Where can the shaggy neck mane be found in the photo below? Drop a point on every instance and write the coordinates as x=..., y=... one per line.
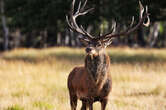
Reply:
x=97, y=66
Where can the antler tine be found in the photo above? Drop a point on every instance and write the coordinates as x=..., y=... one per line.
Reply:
x=84, y=5
x=113, y=29
x=108, y=42
x=131, y=29
x=132, y=22
x=72, y=22
x=79, y=6
x=148, y=22
x=141, y=8
x=87, y=34
x=87, y=11
x=72, y=7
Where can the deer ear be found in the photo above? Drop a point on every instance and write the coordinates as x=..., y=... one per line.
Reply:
x=105, y=45
x=84, y=42
x=108, y=42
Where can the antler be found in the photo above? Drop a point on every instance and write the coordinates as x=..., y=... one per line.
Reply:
x=143, y=16
x=107, y=38
x=72, y=22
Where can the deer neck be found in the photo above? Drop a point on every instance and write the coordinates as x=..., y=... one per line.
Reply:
x=97, y=66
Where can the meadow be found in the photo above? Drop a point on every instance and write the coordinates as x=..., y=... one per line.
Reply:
x=36, y=79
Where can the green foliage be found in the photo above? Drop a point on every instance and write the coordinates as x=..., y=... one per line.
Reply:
x=43, y=105
x=35, y=16
x=161, y=28
x=15, y=107
x=157, y=9
x=41, y=14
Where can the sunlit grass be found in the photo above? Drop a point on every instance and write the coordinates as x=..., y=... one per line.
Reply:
x=32, y=79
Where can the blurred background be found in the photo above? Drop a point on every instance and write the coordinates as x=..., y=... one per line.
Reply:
x=36, y=58
x=42, y=23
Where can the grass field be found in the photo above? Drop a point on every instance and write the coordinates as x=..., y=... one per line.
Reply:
x=37, y=79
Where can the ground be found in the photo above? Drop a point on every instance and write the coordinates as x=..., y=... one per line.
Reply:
x=36, y=79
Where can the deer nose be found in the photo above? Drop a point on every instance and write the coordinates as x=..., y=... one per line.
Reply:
x=88, y=49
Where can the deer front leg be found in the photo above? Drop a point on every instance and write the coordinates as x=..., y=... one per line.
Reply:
x=90, y=104
x=103, y=104
x=84, y=105
x=73, y=101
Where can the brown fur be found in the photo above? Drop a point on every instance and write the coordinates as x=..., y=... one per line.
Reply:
x=91, y=82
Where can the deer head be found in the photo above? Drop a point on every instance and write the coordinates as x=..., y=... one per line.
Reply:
x=96, y=44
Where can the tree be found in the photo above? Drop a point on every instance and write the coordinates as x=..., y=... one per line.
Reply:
x=4, y=25
x=42, y=22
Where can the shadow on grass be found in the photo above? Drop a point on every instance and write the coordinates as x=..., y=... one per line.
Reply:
x=75, y=58
x=22, y=58
x=156, y=91
x=71, y=57
x=79, y=58
x=138, y=58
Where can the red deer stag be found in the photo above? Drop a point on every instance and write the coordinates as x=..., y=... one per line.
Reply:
x=92, y=82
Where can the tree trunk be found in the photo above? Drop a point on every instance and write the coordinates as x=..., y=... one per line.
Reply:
x=44, y=35
x=17, y=38
x=71, y=35
x=140, y=37
x=4, y=26
x=154, y=31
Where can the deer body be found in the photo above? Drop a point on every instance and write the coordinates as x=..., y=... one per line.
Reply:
x=92, y=82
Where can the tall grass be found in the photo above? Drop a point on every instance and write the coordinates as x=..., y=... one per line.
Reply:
x=33, y=79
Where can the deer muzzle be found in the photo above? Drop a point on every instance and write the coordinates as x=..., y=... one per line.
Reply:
x=90, y=51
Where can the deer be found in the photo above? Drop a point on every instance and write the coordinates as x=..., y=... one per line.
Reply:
x=92, y=82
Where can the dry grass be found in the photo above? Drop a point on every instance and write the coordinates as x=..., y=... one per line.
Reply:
x=36, y=79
